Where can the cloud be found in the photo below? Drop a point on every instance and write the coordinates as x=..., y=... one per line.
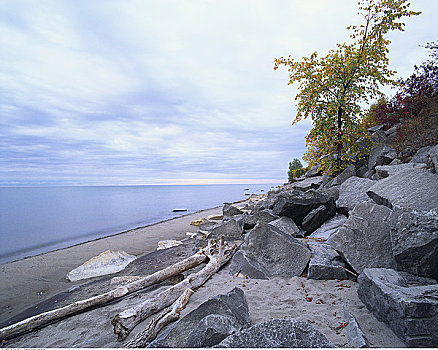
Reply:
x=161, y=91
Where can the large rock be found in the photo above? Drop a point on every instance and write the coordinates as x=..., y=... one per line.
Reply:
x=208, y=324
x=434, y=157
x=346, y=173
x=230, y=210
x=105, y=263
x=381, y=155
x=353, y=191
x=383, y=171
x=278, y=333
x=287, y=225
x=265, y=215
x=407, y=303
x=422, y=155
x=329, y=227
x=232, y=230
x=317, y=217
x=307, y=184
x=364, y=240
x=268, y=252
x=313, y=171
x=414, y=236
x=297, y=204
x=410, y=188
x=355, y=336
x=325, y=262
x=379, y=137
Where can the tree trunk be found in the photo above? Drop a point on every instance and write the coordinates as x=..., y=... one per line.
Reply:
x=218, y=254
x=83, y=305
x=339, y=140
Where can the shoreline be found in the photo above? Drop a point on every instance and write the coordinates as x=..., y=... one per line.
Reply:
x=30, y=280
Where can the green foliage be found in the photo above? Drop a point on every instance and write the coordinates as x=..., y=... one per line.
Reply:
x=295, y=169
x=333, y=88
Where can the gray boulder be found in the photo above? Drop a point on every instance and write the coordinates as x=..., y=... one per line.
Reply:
x=209, y=324
x=317, y=217
x=364, y=240
x=375, y=128
x=325, y=262
x=265, y=215
x=287, y=225
x=230, y=210
x=278, y=333
x=268, y=252
x=313, y=171
x=362, y=171
x=232, y=230
x=297, y=204
x=422, y=155
x=346, y=173
x=434, y=157
x=381, y=155
x=411, y=188
x=379, y=137
x=414, y=236
x=329, y=227
x=355, y=336
x=309, y=183
x=407, y=303
x=383, y=171
x=353, y=191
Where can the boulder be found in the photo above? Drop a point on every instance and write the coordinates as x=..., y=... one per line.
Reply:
x=407, y=303
x=265, y=215
x=309, y=183
x=414, y=237
x=346, y=173
x=232, y=230
x=317, y=217
x=297, y=204
x=208, y=324
x=362, y=171
x=383, y=171
x=268, y=252
x=333, y=192
x=105, y=263
x=313, y=171
x=329, y=227
x=278, y=333
x=355, y=336
x=287, y=225
x=410, y=188
x=434, y=157
x=209, y=225
x=422, y=155
x=391, y=131
x=325, y=263
x=353, y=191
x=379, y=137
x=230, y=210
x=168, y=243
x=381, y=155
x=364, y=240
x=375, y=128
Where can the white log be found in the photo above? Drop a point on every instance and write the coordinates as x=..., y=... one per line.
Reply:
x=170, y=314
x=82, y=305
x=218, y=254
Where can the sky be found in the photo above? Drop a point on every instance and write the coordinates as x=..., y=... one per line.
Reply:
x=127, y=92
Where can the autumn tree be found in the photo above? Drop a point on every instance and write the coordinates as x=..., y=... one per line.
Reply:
x=295, y=169
x=333, y=88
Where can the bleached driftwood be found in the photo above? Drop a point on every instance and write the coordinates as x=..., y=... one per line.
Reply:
x=218, y=254
x=82, y=305
x=170, y=314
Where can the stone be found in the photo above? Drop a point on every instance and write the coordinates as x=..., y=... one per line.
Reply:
x=169, y=243
x=422, y=155
x=379, y=137
x=215, y=217
x=364, y=240
x=346, y=173
x=325, y=262
x=277, y=333
x=265, y=215
x=352, y=192
x=391, y=131
x=208, y=226
x=328, y=228
x=414, y=237
x=333, y=192
x=208, y=324
x=376, y=128
x=355, y=336
x=317, y=217
x=313, y=171
x=105, y=263
x=410, y=188
x=268, y=252
x=232, y=230
x=362, y=171
x=383, y=171
x=434, y=157
x=198, y=222
x=297, y=204
x=381, y=155
x=287, y=225
x=407, y=303
x=309, y=183
x=230, y=210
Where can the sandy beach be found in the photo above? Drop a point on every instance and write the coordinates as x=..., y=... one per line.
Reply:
x=38, y=284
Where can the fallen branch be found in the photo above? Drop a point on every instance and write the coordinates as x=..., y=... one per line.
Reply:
x=218, y=254
x=170, y=314
x=350, y=272
x=82, y=305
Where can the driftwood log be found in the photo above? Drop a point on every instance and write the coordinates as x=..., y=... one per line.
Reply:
x=170, y=314
x=218, y=254
x=45, y=318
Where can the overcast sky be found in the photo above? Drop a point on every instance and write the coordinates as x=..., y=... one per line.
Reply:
x=156, y=92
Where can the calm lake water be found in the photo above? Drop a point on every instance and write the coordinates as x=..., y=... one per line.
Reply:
x=36, y=220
